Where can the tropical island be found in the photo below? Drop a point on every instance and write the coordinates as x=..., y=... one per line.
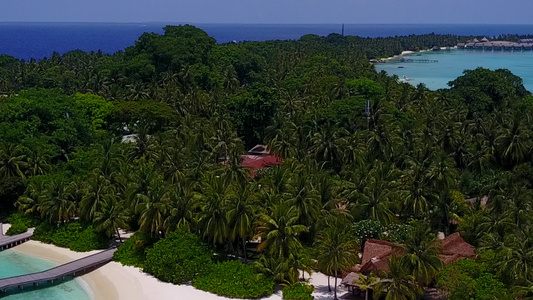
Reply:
x=256, y=169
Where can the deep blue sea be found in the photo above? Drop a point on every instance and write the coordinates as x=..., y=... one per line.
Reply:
x=451, y=64
x=38, y=40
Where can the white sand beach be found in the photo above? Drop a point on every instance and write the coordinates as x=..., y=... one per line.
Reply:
x=405, y=53
x=5, y=227
x=114, y=281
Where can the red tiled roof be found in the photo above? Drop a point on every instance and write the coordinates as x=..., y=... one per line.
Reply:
x=454, y=245
x=376, y=249
x=259, y=162
x=377, y=252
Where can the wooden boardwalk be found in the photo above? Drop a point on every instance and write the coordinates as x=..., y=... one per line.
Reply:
x=7, y=241
x=409, y=60
x=79, y=266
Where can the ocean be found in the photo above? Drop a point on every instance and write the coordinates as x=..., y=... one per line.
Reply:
x=13, y=263
x=39, y=40
x=451, y=64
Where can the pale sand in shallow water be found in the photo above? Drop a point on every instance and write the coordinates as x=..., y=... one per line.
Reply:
x=114, y=281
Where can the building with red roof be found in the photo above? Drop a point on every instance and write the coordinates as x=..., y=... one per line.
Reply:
x=259, y=157
x=259, y=162
x=377, y=252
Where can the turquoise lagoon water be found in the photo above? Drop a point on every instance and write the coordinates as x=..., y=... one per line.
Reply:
x=451, y=64
x=13, y=263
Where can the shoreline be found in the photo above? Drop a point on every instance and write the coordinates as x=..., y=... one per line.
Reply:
x=95, y=283
x=115, y=281
x=404, y=53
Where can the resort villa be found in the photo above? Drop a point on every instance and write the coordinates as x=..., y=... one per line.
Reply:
x=376, y=254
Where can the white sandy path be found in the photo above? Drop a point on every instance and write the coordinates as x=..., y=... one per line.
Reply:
x=114, y=281
x=5, y=227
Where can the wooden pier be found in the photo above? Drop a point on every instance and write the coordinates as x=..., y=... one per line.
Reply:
x=7, y=241
x=74, y=268
x=410, y=60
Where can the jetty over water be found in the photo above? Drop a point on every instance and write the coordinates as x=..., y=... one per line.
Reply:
x=79, y=267
x=7, y=242
x=410, y=60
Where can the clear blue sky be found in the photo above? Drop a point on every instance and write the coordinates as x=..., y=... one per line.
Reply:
x=270, y=11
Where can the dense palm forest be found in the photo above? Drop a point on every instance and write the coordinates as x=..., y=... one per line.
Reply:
x=420, y=162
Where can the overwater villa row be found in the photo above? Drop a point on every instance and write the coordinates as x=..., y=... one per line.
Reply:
x=486, y=44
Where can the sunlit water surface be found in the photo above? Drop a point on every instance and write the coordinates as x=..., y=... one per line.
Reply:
x=451, y=64
x=13, y=263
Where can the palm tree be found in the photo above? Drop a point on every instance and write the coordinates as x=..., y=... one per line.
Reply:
x=12, y=162
x=213, y=218
x=58, y=204
x=420, y=257
x=281, y=137
x=305, y=199
x=153, y=207
x=397, y=283
x=181, y=209
x=110, y=158
x=98, y=189
x=279, y=268
x=241, y=213
x=111, y=217
x=376, y=193
x=513, y=140
x=326, y=145
x=524, y=290
x=303, y=262
x=517, y=257
x=366, y=282
x=235, y=172
x=336, y=250
x=279, y=231
x=30, y=202
x=419, y=191
x=278, y=179
x=38, y=164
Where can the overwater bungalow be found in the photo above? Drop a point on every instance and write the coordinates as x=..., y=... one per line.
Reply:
x=485, y=44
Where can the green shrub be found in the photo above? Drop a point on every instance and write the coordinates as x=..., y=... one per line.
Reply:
x=396, y=233
x=455, y=283
x=299, y=291
x=235, y=280
x=17, y=228
x=367, y=229
x=132, y=251
x=20, y=223
x=73, y=235
x=178, y=258
x=487, y=287
x=467, y=279
x=470, y=267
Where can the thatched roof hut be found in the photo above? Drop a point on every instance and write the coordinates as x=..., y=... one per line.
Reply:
x=376, y=253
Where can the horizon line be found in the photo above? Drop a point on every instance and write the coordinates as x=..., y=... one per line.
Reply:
x=258, y=23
